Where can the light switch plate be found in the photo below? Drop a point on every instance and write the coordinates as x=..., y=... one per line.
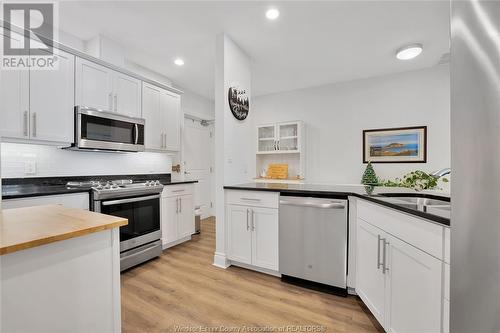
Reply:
x=30, y=168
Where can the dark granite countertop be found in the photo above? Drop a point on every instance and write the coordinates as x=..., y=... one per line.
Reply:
x=385, y=196
x=34, y=187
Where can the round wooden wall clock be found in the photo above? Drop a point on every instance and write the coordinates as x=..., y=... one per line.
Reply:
x=238, y=102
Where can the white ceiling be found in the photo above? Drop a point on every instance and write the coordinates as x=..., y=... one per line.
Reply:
x=310, y=44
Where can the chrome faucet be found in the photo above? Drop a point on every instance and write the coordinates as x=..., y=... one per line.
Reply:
x=441, y=173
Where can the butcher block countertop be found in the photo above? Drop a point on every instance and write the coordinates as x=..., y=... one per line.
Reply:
x=24, y=228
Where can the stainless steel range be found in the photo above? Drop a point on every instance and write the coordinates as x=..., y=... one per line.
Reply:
x=140, y=240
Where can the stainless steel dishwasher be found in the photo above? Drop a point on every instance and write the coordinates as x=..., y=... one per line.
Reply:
x=313, y=243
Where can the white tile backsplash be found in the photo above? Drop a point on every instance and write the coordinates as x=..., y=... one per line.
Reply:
x=25, y=160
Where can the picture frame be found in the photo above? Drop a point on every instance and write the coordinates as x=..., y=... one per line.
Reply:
x=395, y=145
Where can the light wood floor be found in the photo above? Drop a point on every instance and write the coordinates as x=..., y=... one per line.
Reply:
x=182, y=288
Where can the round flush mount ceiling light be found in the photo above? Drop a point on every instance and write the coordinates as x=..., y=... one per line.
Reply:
x=179, y=62
x=272, y=14
x=409, y=51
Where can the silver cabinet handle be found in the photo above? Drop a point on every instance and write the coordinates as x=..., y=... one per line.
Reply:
x=177, y=191
x=248, y=226
x=384, y=262
x=34, y=124
x=250, y=199
x=116, y=102
x=278, y=145
x=177, y=206
x=25, y=123
x=180, y=205
x=252, y=214
x=333, y=205
x=378, y=252
x=110, y=101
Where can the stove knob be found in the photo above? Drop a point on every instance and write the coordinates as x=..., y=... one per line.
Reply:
x=157, y=183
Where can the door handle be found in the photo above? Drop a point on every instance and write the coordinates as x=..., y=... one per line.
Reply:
x=252, y=214
x=25, y=123
x=116, y=102
x=110, y=101
x=378, y=252
x=384, y=261
x=180, y=205
x=177, y=206
x=34, y=124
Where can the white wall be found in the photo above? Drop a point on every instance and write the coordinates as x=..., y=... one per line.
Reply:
x=198, y=106
x=52, y=161
x=232, y=144
x=336, y=114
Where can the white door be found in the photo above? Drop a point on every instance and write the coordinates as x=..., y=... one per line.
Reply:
x=14, y=99
x=52, y=101
x=414, y=298
x=127, y=95
x=169, y=216
x=265, y=238
x=172, y=113
x=186, y=216
x=94, y=85
x=198, y=159
x=370, y=280
x=151, y=111
x=239, y=234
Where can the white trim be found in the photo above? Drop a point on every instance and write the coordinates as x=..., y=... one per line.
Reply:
x=177, y=242
x=221, y=261
x=257, y=269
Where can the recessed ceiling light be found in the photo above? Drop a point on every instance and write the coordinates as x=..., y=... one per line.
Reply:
x=272, y=14
x=409, y=51
x=179, y=62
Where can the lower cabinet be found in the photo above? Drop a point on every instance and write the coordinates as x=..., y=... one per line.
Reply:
x=177, y=215
x=73, y=200
x=253, y=236
x=401, y=284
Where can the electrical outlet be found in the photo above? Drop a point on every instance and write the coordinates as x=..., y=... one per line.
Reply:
x=30, y=168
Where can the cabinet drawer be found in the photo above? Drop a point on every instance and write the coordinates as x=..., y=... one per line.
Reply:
x=253, y=198
x=176, y=190
x=420, y=233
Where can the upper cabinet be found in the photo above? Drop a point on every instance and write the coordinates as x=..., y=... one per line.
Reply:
x=162, y=112
x=37, y=105
x=103, y=88
x=280, y=138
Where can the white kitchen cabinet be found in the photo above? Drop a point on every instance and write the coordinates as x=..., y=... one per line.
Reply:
x=73, y=200
x=264, y=238
x=239, y=234
x=162, y=112
x=52, y=101
x=413, y=291
x=370, y=283
x=280, y=138
x=94, y=85
x=173, y=117
x=397, y=277
x=103, y=88
x=253, y=234
x=177, y=214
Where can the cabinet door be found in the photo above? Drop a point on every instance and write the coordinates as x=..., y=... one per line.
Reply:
x=288, y=137
x=413, y=297
x=239, y=234
x=151, y=111
x=169, y=231
x=266, y=138
x=94, y=85
x=14, y=99
x=52, y=101
x=265, y=238
x=127, y=95
x=370, y=280
x=186, y=216
x=171, y=111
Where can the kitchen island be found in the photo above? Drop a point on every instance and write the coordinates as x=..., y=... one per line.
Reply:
x=59, y=270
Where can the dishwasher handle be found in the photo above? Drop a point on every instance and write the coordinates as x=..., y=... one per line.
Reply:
x=312, y=204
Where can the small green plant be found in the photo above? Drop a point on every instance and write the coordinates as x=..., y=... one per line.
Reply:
x=369, y=176
x=418, y=180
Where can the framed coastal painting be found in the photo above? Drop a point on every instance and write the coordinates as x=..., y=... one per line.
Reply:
x=395, y=145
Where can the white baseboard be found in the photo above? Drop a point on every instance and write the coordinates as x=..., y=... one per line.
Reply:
x=177, y=242
x=255, y=268
x=221, y=261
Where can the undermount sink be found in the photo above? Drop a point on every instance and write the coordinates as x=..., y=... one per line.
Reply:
x=421, y=202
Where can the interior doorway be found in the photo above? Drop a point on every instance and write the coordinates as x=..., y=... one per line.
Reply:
x=198, y=161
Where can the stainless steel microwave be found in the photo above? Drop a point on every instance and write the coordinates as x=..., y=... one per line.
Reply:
x=102, y=130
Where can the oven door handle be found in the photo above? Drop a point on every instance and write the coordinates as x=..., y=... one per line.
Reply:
x=122, y=201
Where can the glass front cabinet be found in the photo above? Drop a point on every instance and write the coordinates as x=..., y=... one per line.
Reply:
x=280, y=138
